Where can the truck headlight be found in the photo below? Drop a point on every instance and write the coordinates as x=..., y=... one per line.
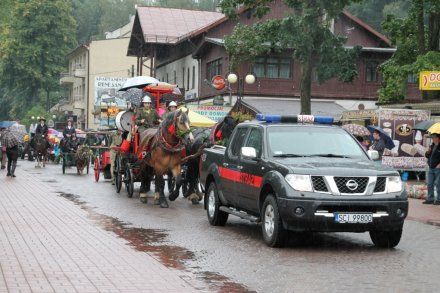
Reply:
x=394, y=184
x=299, y=182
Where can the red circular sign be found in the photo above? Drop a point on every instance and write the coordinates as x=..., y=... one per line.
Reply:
x=218, y=82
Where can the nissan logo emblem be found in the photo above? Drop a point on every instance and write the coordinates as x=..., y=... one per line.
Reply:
x=352, y=185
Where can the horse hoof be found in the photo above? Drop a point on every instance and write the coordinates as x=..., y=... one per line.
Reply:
x=195, y=201
x=156, y=202
x=164, y=204
x=143, y=198
x=173, y=195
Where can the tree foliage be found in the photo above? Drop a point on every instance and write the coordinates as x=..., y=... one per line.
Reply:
x=35, y=41
x=417, y=39
x=305, y=31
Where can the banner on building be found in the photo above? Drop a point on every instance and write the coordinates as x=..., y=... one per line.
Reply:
x=216, y=113
x=108, y=101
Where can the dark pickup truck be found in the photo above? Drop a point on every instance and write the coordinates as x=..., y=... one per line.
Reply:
x=302, y=177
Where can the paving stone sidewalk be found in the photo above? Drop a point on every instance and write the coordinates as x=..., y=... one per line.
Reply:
x=47, y=244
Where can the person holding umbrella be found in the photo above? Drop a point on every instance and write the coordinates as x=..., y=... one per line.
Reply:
x=433, y=155
x=11, y=141
x=378, y=143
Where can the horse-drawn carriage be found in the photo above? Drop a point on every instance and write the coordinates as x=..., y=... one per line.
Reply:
x=75, y=154
x=162, y=150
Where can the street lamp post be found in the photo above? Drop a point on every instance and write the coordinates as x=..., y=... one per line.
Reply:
x=248, y=79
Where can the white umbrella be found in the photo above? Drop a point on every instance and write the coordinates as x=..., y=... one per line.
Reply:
x=138, y=82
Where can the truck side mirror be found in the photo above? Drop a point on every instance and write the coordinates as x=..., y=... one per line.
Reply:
x=248, y=152
x=374, y=155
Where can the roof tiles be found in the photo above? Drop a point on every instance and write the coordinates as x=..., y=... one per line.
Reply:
x=170, y=25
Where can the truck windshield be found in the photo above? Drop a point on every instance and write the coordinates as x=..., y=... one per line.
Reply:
x=294, y=141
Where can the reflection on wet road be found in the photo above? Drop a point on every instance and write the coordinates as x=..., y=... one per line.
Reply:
x=153, y=242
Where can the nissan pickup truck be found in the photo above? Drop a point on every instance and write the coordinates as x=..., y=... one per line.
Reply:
x=294, y=176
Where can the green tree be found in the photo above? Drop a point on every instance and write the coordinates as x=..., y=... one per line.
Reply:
x=35, y=41
x=88, y=16
x=417, y=38
x=305, y=30
x=370, y=11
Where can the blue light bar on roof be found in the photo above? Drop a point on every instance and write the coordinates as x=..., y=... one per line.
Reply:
x=295, y=118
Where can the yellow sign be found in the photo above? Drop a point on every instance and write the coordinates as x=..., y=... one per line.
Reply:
x=429, y=81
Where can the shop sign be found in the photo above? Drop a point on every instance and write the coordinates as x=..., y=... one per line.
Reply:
x=216, y=113
x=429, y=81
x=218, y=82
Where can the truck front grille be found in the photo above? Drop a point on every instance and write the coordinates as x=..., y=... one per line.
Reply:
x=380, y=184
x=351, y=185
x=319, y=184
x=348, y=185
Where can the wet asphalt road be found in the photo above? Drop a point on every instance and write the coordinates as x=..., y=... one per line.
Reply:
x=234, y=258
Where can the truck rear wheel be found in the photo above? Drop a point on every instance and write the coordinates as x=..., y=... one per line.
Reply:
x=215, y=216
x=386, y=239
x=272, y=227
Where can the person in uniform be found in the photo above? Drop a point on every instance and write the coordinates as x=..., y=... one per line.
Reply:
x=115, y=140
x=172, y=106
x=146, y=117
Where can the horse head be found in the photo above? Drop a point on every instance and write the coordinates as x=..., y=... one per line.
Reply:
x=223, y=130
x=178, y=124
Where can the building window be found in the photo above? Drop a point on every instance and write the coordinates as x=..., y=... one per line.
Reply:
x=213, y=68
x=168, y=78
x=271, y=67
x=175, y=77
x=194, y=78
x=412, y=78
x=187, y=81
x=371, y=74
x=183, y=77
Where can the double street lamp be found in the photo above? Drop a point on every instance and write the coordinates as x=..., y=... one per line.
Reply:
x=233, y=78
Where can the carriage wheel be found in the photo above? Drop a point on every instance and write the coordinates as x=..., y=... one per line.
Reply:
x=88, y=163
x=129, y=181
x=118, y=175
x=96, y=169
x=64, y=164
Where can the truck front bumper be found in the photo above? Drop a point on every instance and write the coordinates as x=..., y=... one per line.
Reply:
x=320, y=215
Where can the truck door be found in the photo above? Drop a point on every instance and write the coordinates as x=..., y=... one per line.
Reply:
x=229, y=171
x=251, y=172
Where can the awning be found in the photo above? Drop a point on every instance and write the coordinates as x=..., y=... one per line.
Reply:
x=293, y=106
x=198, y=120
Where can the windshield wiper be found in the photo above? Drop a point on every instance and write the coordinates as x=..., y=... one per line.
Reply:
x=329, y=156
x=289, y=156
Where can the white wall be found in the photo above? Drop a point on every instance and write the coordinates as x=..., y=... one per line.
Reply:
x=179, y=66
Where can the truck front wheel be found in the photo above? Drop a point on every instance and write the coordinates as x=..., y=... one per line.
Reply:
x=386, y=239
x=215, y=216
x=272, y=226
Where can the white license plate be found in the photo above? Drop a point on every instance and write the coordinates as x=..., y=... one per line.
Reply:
x=353, y=218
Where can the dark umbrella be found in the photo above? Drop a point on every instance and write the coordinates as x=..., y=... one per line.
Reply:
x=10, y=139
x=134, y=96
x=424, y=125
x=389, y=143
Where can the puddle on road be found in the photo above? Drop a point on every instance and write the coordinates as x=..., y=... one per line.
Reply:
x=153, y=242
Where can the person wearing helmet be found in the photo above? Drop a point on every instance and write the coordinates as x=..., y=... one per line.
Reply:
x=146, y=117
x=43, y=130
x=172, y=106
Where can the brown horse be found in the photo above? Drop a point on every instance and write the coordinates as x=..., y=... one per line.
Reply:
x=82, y=156
x=39, y=145
x=164, y=151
